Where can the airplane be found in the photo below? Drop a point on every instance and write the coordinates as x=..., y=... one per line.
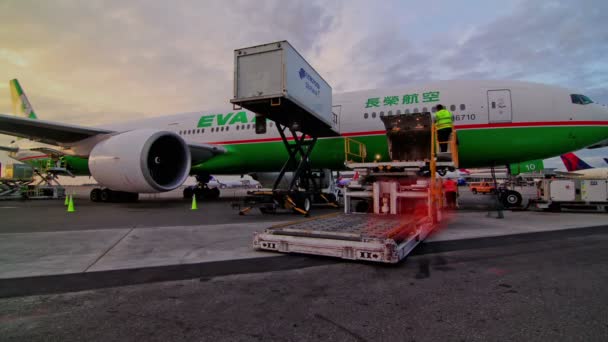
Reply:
x=577, y=168
x=496, y=123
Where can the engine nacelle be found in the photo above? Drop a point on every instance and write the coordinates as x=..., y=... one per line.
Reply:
x=143, y=160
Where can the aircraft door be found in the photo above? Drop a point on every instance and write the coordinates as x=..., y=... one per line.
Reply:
x=499, y=105
x=336, y=111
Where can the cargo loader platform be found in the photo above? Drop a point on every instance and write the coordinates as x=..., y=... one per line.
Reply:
x=388, y=210
x=378, y=238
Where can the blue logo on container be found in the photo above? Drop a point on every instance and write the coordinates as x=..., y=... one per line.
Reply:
x=311, y=84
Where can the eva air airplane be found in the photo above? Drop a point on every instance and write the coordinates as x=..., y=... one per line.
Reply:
x=496, y=122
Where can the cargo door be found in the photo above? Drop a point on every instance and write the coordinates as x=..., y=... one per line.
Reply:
x=499, y=105
x=335, y=112
x=409, y=136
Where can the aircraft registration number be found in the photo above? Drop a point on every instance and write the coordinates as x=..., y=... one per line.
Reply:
x=464, y=117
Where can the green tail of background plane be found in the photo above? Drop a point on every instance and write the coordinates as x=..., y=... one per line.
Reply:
x=21, y=105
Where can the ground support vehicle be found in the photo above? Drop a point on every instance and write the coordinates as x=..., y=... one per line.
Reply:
x=277, y=83
x=388, y=210
x=571, y=194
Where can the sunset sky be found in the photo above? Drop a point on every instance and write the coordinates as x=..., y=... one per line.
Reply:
x=95, y=62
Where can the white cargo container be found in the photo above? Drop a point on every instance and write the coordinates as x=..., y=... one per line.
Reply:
x=563, y=190
x=556, y=194
x=275, y=81
x=594, y=190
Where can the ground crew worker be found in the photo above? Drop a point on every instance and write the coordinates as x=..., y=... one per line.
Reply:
x=444, y=124
x=450, y=188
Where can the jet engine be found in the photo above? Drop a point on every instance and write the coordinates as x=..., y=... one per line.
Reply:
x=143, y=161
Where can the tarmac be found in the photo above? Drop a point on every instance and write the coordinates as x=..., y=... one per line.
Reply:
x=528, y=265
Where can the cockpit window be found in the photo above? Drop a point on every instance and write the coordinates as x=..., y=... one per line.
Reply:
x=580, y=99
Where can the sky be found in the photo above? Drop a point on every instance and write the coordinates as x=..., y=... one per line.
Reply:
x=96, y=62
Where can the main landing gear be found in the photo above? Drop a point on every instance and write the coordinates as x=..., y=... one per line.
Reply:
x=202, y=190
x=107, y=195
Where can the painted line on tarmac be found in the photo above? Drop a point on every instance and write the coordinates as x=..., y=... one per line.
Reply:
x=505, y=240
x=26, y=286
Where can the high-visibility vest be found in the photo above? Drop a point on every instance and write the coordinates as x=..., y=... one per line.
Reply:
x=443, y=119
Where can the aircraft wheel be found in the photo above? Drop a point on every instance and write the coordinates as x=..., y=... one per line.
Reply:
x=214, y=193
x=188, y=192
x=199, y=193
x=511, y=199
x=95, y=195
x=133, y=197
x=106, y=195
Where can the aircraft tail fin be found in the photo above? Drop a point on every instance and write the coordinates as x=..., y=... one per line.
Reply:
x=21, y=105
x=574, y=163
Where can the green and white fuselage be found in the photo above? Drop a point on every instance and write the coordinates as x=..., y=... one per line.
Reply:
x=497, y=123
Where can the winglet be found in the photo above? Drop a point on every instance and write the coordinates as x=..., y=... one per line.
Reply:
x=21, y=105
x=574, y=163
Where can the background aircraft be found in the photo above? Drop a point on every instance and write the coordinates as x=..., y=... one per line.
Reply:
x=577, y=168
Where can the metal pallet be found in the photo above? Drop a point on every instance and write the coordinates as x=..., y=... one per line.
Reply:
x=378, y=238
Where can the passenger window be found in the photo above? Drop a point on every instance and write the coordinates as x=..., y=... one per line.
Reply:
x=365, y=116
x=434, y=109
x=222, y=128
x=373, y=115
x=227, y=128
x=407, y=111
x=237, y=127
x=381, y=114
x=462, y=107
x=203, y=130
x=424, y=110
x=390, y=112
x=248, y=126
x=453, y=108
x=398, y=111
x=416, y=110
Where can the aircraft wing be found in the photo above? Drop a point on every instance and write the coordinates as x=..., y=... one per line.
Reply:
x=568, y=174
x=204, y=152
x=9, y=149
x=54, y=133
x=47, y=132
x=600, y=144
